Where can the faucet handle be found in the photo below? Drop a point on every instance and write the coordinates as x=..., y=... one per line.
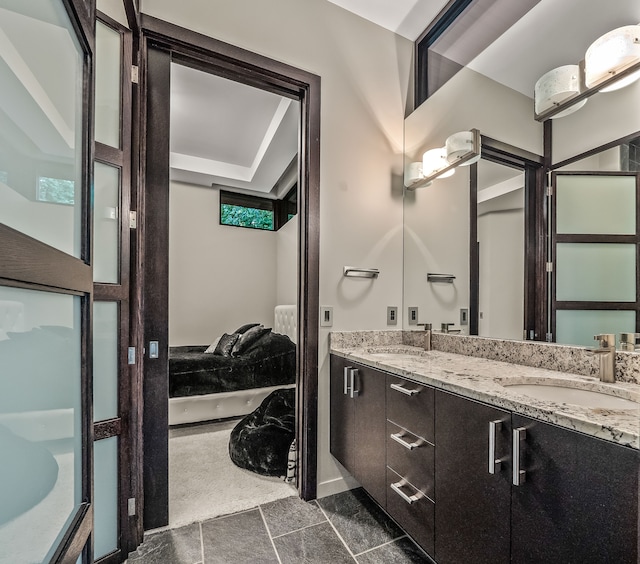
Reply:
x=629, y=341
x=606, y=340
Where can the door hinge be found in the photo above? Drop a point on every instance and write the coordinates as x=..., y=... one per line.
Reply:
x=135, y=74
x=549, y=267
x=131, y=355
x=131, y=506
x=133, y=220
x=549, y=191
x=549, y=337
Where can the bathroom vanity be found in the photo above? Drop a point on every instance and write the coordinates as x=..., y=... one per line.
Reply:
x=477, y=472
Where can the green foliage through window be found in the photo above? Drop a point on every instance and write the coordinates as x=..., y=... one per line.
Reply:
x=56, y=190
x=242, y=216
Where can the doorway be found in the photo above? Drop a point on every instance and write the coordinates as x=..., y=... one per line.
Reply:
x=162, y=45
x=232, y=273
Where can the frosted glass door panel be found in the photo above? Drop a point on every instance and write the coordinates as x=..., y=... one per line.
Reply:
x=596, y=272
x=577, y=327
x=108, y=68
x=41, y=79
x=596, y=204
x=105, y=360
x=40, y=421
x=106, y=224
x=105, y=496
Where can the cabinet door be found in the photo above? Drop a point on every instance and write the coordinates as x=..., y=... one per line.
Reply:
x=341, y=442
x=370, y=431
x=579, y=500
x=472, y=505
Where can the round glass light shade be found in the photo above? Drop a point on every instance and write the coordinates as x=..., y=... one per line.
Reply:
x=435, y=160
x=458, y=145
x=610, y=53
x=557, y=86
x=413, y=173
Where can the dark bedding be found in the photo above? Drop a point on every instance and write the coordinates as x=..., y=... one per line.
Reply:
x=270, y=361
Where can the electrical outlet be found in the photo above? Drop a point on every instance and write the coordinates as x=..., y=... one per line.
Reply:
x=392, y=315
x=464, y=316
x=413, y=316
x=326, y=316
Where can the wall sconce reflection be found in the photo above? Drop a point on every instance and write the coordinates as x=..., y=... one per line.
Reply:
x=461, y=149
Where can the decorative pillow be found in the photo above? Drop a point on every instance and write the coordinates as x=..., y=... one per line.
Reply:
x=226, y=344
x=247, y=339
x=211, y=349
x=245, y=328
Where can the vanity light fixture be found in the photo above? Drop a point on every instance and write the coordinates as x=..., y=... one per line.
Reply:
x=610, y=54
x=462, y=148
x=434, y=163
x=557, y=86
x=611, y=62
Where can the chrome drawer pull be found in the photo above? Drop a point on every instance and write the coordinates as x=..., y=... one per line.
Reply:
x=410, y=499
x=397, y=437
x=519, y=476
x=402, y=390
x=354, y=392
x=346, y=379
x=494, y=427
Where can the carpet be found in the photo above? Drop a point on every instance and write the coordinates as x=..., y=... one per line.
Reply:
x=204, y=483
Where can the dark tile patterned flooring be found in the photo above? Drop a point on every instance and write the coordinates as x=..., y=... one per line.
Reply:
x=346, y=527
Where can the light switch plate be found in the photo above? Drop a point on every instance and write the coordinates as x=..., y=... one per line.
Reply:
x=413, y=316
x=392, y=315
x=326, y=316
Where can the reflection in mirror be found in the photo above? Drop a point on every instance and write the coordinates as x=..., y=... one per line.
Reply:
x=500, y=250
x=595, y=241
x=494, y=93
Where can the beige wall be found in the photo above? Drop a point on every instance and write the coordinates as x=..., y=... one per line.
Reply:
x=287, y=263
x=365, y=77
x=220, y=277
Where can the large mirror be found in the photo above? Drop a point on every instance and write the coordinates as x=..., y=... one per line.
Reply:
x=445, y=225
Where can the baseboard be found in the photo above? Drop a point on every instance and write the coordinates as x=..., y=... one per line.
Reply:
x=337, y=485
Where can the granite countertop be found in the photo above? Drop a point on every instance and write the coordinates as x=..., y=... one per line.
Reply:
x=482, y=379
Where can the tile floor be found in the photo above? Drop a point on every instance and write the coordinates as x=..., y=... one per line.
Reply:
x=342, y=528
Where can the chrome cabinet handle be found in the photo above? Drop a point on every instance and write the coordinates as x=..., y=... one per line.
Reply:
x=408, y=498
x=519, y=476
x=494, y=427
x=346, y=379
x=354, y=392
x=402, y=390
x=397, y=437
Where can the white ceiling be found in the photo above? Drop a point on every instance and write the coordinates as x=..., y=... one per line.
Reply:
x=408, y=18
x=227, y=133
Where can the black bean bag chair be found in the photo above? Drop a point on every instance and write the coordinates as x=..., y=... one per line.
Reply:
x=260, y=441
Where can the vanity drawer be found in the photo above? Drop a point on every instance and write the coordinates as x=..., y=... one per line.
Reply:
x=415, y=464
x=410, y=405
x=417, y=517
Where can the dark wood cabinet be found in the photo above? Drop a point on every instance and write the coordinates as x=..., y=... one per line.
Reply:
x=579, y=499
x=474, y=483
x=358, y=424
x=472, y=505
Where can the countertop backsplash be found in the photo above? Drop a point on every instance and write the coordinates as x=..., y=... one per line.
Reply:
x=537, y=354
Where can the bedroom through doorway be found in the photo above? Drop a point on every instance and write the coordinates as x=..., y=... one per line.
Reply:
x=233, y=289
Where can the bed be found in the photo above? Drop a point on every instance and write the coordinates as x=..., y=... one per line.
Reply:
x=205, y=386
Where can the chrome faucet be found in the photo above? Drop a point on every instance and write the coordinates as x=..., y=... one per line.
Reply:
x=427, y=335
x=606, y=351
x=444, y=327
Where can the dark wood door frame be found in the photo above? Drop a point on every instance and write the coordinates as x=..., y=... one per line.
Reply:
x=535, y=289
x=162, y=42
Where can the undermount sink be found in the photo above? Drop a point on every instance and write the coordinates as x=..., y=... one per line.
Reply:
x=574, y=393
x=393, y=350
